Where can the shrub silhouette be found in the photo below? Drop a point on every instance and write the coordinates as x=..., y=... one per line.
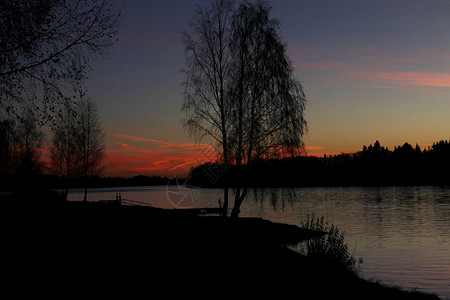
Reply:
x=329, y=248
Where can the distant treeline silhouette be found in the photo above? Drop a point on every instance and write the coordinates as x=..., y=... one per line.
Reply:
x=57, y=182
x=373, y=166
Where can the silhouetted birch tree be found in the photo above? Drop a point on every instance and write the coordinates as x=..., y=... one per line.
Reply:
x=240, y=89
x=208, y=75
x=63, y=150
x=90, y=140
x=78, y=142
x=267, y=102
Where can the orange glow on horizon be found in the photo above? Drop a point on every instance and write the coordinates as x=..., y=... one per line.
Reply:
x=155, y=157
x=168, y=158
x=163, y=158
x=123, y=159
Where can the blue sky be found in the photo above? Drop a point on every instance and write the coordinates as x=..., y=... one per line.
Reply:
x=371, y=70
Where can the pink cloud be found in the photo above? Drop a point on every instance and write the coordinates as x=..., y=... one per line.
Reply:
x=314, y=148
x=184, y=146
x=126, y=146
x=182, y=165
x=167, y=158
x=357, y=72
x=415, y=78
x=139, y=139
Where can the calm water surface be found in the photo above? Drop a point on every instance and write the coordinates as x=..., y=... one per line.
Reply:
x=402, y=233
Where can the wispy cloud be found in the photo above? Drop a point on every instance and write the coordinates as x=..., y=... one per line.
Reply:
x=126, y=146
x=139, y=139
x=172, y=144
x=314, y=148
x=431, y=79
x=136, y=156
x=167, y=158
x=376, y=74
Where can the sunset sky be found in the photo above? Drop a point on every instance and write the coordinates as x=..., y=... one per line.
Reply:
x=371, y=70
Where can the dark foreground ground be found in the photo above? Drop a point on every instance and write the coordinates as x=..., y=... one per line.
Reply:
x=87, y=250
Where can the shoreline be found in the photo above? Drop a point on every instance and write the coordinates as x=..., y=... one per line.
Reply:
x=104, y=248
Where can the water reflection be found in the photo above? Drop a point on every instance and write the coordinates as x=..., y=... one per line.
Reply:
x=402, y=233
x=279, y=198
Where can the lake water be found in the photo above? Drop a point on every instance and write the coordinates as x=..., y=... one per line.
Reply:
x=402, y=233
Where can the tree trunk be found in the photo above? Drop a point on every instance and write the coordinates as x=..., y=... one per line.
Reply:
x=85, y=190
x=66, y=191
x=85, y=184
x=225, y=202
x=239, y=198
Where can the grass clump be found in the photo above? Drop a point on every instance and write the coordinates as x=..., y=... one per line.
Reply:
x=330, y=247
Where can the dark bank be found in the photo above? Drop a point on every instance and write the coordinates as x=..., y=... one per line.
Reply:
x=69, y=249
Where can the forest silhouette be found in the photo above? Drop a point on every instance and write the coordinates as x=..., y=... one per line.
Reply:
x=374, y=165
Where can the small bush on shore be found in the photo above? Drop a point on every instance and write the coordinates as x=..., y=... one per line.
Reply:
x=330, y=247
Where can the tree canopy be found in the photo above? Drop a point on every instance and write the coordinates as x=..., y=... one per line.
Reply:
x=46, y=47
